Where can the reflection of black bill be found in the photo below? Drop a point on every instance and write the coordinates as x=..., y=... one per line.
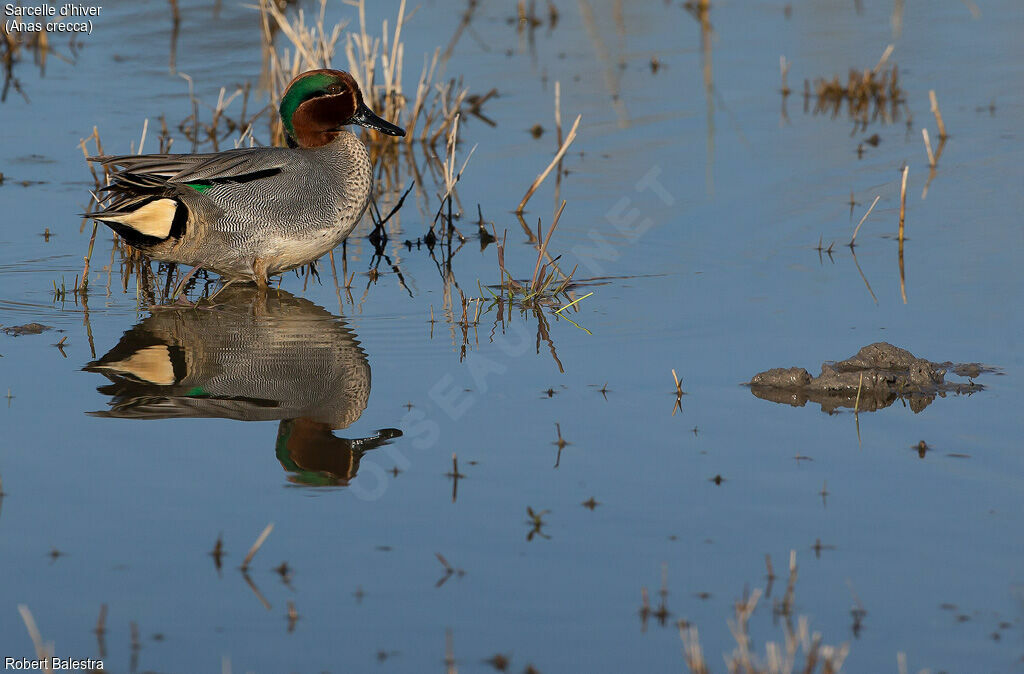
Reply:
x=365, y=117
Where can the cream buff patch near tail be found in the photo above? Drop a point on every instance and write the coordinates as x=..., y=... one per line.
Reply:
x=151, y=364
x=154, y=219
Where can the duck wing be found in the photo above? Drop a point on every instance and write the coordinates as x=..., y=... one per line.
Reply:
x=239, y=165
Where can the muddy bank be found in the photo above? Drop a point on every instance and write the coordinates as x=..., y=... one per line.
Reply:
x=883, y=374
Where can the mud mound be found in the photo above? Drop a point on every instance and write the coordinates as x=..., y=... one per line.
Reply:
x=882, y=372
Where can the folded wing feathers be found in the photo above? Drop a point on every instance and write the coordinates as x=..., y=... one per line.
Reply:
x=145, y=189
x=181, y=168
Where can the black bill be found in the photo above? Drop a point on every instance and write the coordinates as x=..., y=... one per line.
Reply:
x=365, y=117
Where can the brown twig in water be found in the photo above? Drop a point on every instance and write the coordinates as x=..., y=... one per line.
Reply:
x=679, y=394
x=857, y=228
x=928, y=148
x=558, y=157
x=938, y=114
x=903, y=201
x=784, y=66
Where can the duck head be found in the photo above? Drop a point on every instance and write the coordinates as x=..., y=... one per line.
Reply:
x=318, y=103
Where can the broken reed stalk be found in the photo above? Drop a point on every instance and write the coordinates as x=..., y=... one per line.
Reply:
x=928, y=148
x=554, y=162
x=885, y=57
x=145, y=127
x=938, y=114
x=43, y=650
x=903, y=201
x=256, y=546
x=544, y=246
x=857, y=228
x=860, y=385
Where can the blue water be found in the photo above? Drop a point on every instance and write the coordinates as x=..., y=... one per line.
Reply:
x=718, y=280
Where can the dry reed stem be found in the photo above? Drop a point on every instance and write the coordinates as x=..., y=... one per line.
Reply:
x=691, y=649
x=256, y=546
x=544, y=246
x=145, y=127
x=558, y=157
x=857, y=228
x=928, y=148
x=938, y=114
x=422, y=87
x=903, y=201
x=885, y=57
x=860, y=385
x=43, y=650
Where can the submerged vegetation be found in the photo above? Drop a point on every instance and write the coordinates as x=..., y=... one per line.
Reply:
x=868, y=95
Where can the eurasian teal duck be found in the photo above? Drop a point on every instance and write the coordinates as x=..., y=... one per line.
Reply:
x=253, y=212
x=296, y=363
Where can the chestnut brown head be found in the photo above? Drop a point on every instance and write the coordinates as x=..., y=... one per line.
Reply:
x=318, y=103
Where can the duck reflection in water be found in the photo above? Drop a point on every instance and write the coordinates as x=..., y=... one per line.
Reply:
x=291, y=361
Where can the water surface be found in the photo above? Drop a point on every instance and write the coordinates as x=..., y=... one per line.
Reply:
x=723, y=282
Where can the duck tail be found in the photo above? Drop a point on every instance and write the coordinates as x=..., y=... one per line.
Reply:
x=143, y=219
x=143, y=209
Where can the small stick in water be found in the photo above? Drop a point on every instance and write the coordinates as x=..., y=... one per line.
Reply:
x=903, y=201
x=558, y=157
x=928, y=148
x=938, y=115
x=857, y=228
x=256, y=546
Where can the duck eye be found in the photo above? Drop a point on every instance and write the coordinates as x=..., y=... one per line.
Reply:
x=335, y=89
